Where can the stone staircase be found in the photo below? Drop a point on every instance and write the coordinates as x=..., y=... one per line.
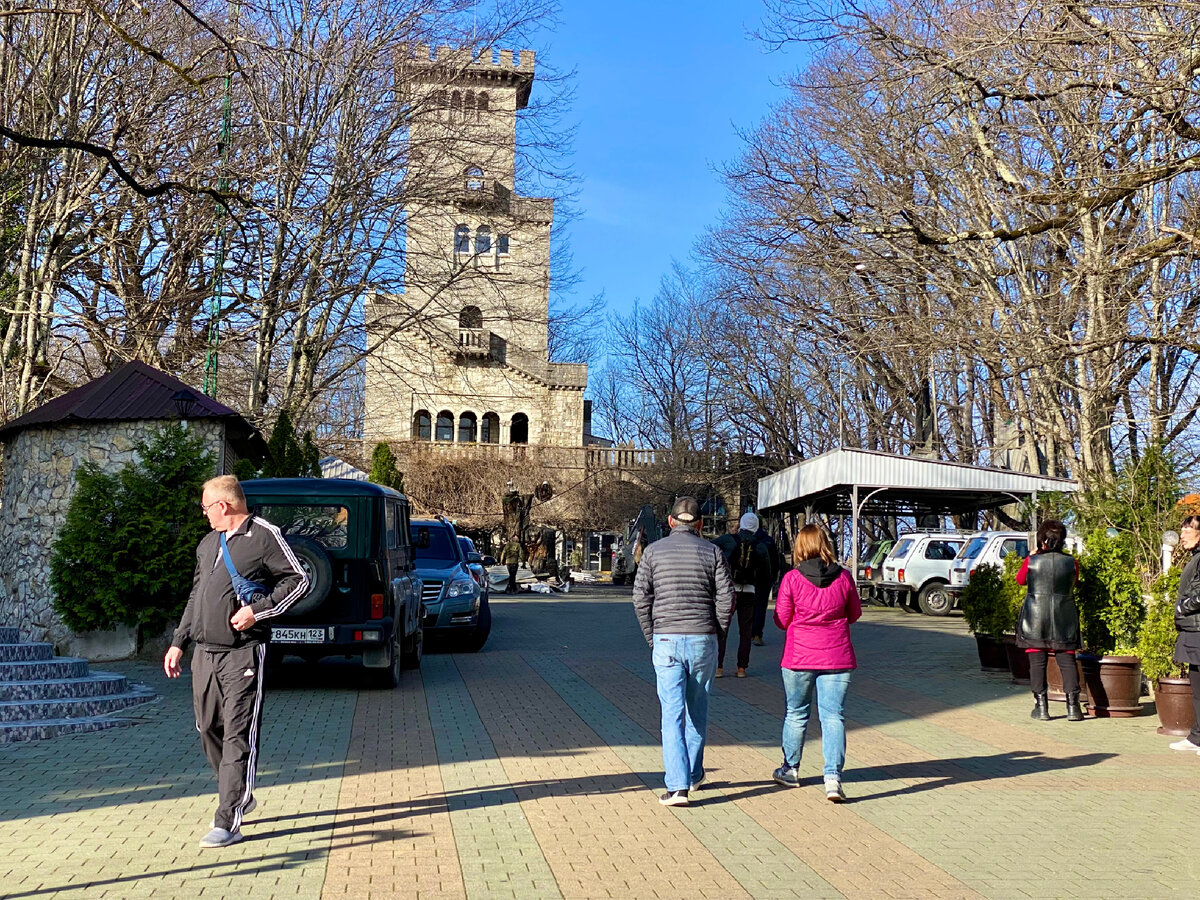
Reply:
x=43, y=695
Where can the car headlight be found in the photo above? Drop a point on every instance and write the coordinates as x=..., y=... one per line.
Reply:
x=459, y=586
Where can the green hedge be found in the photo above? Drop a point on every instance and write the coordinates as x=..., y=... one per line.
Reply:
x=126, y=553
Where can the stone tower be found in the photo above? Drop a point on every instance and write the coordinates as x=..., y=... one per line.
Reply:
x=463, y=356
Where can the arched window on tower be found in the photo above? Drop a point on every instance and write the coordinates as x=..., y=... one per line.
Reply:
x=473, y=178
x=466, y=428
x=421, y=426
x=518, y=431
x=469, y=104
x=489, y=429
x=470, y=317
x=462, y=239
x=481, y=102
x=443, y=99
x=455, y=103
x=445, y=426
x=483, y=240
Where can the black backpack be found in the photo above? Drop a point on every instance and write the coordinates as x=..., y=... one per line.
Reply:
x=745, y=562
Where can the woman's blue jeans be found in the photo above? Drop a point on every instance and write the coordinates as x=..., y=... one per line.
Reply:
x=684, y=665
x=830, y=688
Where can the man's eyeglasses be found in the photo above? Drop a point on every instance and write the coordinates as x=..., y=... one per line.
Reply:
x=204, y=508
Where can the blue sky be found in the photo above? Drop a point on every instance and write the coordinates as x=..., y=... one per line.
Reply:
x=661, y=90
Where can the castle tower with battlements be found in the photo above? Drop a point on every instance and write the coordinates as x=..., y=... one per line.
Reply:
x=462, y=364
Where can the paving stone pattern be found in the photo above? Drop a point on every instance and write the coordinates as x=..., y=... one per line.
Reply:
x=532, y=769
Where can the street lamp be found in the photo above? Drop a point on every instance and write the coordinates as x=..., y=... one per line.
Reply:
x=184, y=402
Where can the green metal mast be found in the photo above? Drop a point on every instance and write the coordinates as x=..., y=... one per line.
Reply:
x=211, y=362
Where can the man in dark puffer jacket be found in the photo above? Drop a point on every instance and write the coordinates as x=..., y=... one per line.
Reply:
x=683, y=597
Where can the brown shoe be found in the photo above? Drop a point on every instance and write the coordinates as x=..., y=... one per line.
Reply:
x=720, y=673
x=741, y=673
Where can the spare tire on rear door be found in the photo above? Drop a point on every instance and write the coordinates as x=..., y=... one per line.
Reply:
x=316, y=565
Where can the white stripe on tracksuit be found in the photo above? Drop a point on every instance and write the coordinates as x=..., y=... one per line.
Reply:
x=252, y=739
x=298, y=592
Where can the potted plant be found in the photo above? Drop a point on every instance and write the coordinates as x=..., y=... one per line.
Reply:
x=1156, y=648
x=984, y=608
x=1012, y=598
x=1111, y=612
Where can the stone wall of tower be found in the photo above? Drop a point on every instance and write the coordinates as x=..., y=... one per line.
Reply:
x=555, y=414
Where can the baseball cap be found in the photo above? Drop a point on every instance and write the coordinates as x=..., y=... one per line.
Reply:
x=685, y=510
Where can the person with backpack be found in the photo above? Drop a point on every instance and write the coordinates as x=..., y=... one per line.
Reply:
x=766, y=584
x=750, y=565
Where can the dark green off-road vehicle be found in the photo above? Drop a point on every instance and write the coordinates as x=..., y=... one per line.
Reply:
x=363, y=599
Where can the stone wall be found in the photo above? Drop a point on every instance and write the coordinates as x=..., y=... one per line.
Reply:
x=39, y=479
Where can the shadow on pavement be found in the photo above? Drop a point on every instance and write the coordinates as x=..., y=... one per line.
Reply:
x=933, y=773
x=240, y=866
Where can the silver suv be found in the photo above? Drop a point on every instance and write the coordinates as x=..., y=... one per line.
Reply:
x=918, y=570
x=986, y=548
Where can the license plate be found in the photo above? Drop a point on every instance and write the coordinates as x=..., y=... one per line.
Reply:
x=298, y=635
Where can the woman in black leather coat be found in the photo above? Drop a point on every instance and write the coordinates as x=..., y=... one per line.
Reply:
x=1049, y=619
x=1187, y=620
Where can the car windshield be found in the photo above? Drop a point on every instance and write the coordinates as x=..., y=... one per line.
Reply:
x=973, y=548
x=901, y=549
x=433, y=542
x=327, y=525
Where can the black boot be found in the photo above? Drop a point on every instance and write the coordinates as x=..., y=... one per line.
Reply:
x=1074, y=712
x=1041, y=707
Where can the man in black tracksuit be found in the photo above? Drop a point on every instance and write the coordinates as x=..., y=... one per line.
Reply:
x=227, y=667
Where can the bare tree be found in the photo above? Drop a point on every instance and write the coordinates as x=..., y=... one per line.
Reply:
x=987, y=233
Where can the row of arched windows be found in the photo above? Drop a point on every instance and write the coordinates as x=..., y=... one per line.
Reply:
x=483, y=240
x=464, y=103
x=471, y=428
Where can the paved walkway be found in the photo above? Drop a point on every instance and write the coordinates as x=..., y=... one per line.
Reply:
x=532, y=770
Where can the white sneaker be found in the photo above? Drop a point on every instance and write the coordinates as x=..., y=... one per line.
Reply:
x=833, y=791
x=1185, y=744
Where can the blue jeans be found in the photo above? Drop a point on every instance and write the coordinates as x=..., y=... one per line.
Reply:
x=831, y=688
x=684, y=665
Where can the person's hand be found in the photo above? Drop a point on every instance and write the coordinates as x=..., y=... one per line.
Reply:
x=242, y=619
x=171, y=662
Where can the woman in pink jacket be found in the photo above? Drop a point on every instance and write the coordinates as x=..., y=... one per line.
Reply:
x=817, y=602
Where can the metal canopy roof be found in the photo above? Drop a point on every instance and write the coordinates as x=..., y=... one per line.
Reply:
x=910, y=485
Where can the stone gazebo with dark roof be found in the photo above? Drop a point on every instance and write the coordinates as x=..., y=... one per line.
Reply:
x=99, y=422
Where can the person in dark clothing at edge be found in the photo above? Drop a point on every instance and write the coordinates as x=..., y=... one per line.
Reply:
x=231, y=643
x=750, y=565
x=683, y=597
x=765, y=584
x=1187, y=621
x=1049, y=619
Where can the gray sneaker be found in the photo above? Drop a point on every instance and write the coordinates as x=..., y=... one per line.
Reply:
x=674, y=798
x=699, y=781
x=833, y=791
x=250, y=807
x=787, y=775
x=219, y=837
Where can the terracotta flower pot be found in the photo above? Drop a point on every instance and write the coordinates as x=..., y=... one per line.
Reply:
x=1173, y=700
x=1114, y=684
x=1054, y=679
x=992, y=657
x=1018, y=660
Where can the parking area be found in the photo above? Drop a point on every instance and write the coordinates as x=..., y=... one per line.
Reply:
x=532, y=768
